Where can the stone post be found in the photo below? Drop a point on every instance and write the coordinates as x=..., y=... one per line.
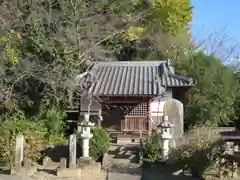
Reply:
x=63, y=163
x=72, y=151
x=19, y=152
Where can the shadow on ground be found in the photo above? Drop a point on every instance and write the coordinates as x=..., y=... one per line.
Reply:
x=126, y=170
x=48, y=171
x=56, y=153
x=145, y=174
x=4, y=170
x=155, y=174
x=126, y=152
x=60, y=151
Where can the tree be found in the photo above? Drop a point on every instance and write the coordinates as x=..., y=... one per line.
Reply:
x=212, y=98
x=237, y=100
x=221, y=45
x=172, y=16
x=45, y=43
x=162, y=33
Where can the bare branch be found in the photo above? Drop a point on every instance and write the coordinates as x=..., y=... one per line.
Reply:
x=219, y=44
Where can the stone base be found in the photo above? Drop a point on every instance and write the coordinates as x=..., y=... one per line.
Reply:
x=69, y=173
x=46, y=161
x=24, y=171
x=85, y=161
x=91, y=168
x=105, y=161
x=124, y=140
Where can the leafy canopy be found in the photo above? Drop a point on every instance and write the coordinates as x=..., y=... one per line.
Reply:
x=213, y=96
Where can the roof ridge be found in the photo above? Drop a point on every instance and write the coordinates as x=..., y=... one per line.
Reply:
x=129, y=63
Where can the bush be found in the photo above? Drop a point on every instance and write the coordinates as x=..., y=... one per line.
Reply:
x=152, y=148
x=13, y=123
x=210, y=99
x=52, y=120
x=38, y=133
x=99, y=143
x=197, y=151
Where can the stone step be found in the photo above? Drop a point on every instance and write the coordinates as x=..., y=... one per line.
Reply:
x=113, y=148
x=133, y=156
x=120, y=176
x=121, y=153
x=129, y=153
x=126, y=141
x=120, y=161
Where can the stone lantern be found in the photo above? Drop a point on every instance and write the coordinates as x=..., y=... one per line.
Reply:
x=166, y=137
x=86, y=135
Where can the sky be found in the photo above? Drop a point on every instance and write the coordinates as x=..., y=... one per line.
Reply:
x=211, y=16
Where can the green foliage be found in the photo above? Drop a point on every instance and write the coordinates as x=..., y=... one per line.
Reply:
x=38, y=132
x=162, y=32
x=11, y=42
x=213, y=96
x=50, y=40
x=172, y=16
x=53, y=122
x=12, y=124
x=237, y=100
x=99, y=143
x=152, y=148
x=55, y=39
x=198, y=149
x=134, y=33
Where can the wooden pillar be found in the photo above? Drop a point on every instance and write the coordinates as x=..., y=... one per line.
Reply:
x=79, y=115
x=126, y=123
x=149, y=119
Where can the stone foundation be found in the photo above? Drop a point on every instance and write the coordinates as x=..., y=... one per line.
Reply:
x=69, y=172
x=24, y=171
x=85, y=161
x=124, y=140
x=84, y=166
x=91, y=168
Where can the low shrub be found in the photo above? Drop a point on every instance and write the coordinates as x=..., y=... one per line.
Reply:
x=38, y=134
x=53, y=124
x=152, y=148
x=14, y=123
x=99, y=143
x=197, y=150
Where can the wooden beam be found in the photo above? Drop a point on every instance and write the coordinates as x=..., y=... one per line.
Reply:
x=123, y=101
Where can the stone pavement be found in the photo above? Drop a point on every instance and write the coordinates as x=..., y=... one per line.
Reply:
x=124, y=174
x=120, y=176
x=146, y=176
x=8, y=177
x=142, y=174
x=107, y=176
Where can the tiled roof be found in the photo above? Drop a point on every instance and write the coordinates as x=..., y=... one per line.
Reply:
x=133, y=78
